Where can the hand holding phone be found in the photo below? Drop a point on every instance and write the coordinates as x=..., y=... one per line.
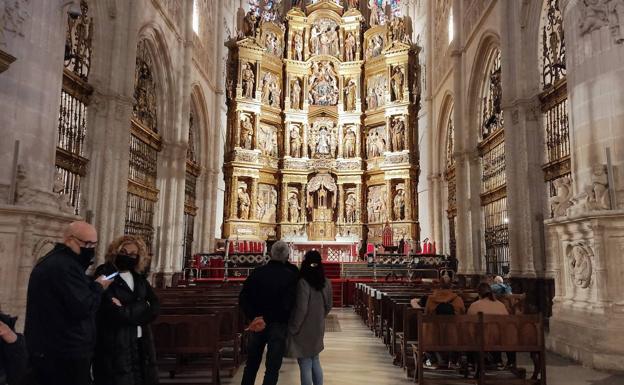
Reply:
x=111, y=276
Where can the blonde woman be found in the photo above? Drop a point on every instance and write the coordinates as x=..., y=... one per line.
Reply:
x=124, y=352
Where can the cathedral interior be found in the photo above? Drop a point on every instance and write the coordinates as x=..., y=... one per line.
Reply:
x=471, y=129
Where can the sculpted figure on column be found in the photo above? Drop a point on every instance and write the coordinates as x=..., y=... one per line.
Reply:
x=350, y=205
x=295, y=95
x=243, y=203
x=246, y=133
x=293, y=208
x=398, y=134
x=349, y=45
x=250, y=23
x=298, y=46
x=249, y=79
x=350, y=95
x=349, y=143
x=560, y=203
x=397, y=84
x=315, y=40
x=399, y=205
x=295, y=142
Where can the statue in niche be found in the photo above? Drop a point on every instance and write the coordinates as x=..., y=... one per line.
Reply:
x=560, y=203
x=350, y=208
x=376, y=205
x=323, y=84
x=399, y=204
x=271, y=210
x=295, y=142
x=374, y=13
x=579, y=258
x=375, y=46
x=371, y=98
x=295, y=95
x=246, y=132
x=273, y=44
x=276, y=92
x=298, y=45
x=380, y=144
x=350, y=46
x=315, y=40
x=396, y=30
x=248, y=80
x=397, y=84
x=350, y=95
x=349, y=143
x=293, y=207
x=243, y=202
x=322, y=145
x=271, y=90
x=267, y=140
x=260, y=207
x=397, y=130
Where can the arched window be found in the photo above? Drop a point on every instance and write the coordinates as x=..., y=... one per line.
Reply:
x=493, y=181
x=451, y=27
x=145, y=144
x=554, y=97
x=449, y=176
x=190, y=188
x=71, y=161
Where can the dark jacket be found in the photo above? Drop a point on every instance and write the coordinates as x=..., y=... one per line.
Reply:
x=13, y=358
x=117, y=360
x=61, y=306
x=269, y=291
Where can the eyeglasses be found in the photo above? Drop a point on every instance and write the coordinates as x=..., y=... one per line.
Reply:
x=86, y=244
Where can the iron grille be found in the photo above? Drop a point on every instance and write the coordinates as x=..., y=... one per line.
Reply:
x=496, y=236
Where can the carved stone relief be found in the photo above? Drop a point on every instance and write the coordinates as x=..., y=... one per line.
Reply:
x=375, y=91
x=267, y=140
x=323, y=84
x=323, y=139
x=271, y=89
x=376, y=142
x=375, y=46
x=248, y=79
x=560, y=203
x=377, y=204
x=273, y=44
x=596, y=14
x=579, y=258
x=12, y=18
x=397, y=134
x=324, y=38
x=596, y=194
x=266, y=207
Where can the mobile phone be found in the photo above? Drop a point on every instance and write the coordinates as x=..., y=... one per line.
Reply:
x=112, y=275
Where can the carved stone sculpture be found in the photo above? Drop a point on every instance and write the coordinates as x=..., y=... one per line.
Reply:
x=323, y=84
x=350, y=47
x=298, y=46
x=273, y=44
x=397, y=81
x=271, y=90
x=598, y=193
x=350, y=208
x=560, y=203
x=244, y=203
x=293, y=207
x=374, y=14
x=246, y=132
x=295, y=95
x=267, y=141
x=248, y=80
x=375, y=46
x=295, y=142
x=349, y=143
x=377, y=206
x=350, y=95
x=399, y=205
x=250, y=24
x=580, y=264
x=397, y=131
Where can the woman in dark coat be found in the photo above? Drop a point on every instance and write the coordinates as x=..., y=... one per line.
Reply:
x=124, y=351
x=306, y=328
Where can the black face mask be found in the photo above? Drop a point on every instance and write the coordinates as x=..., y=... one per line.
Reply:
x=125, y=262
x=86, y=256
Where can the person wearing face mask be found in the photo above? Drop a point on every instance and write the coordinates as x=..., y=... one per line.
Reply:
x=124, y=351
x=62, y=302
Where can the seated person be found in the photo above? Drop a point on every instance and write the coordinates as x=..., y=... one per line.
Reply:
x=419, y=303
x=13, y=359
x=488, y=304
x=499, y=287
x=438, y=301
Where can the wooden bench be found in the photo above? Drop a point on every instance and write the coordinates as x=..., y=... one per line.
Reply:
x=481, y=334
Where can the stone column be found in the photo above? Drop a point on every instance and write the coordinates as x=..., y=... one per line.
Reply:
x=358, y=208
x=256, y=125
x=340, y=140
x=305, y=152
x=358, y=141
x=341, y=197
x=254, y=198
x=284, y=205
x=389, y=211
x=408, y=200
x=289, y=127
x=258, y=89
x=388, y=133
x=304, y=201
x=234, y=197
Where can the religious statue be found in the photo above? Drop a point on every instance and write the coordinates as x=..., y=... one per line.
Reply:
x=353, y=4
x=295, y=95
x=322, y=145
x=380, y=144
x=298, y=45
x=260, y=207
x=399, y=205
x=243, y=203
x=375, y=46
x=397, y=84
x=276, y=92
x=374, y=13
x=248, y=80
x=396, y=30
x=267, y=141
x=271, y=90
x=597, y=192
x=323, y=84
x=271, y=210
x=273, y=44
x=580, y=265
x=397, y=130
x=349, y=144
x=350, y=208
x=246, y=132
x=295, y=142
x=293, y=208
x=350, y=46
x=560, y=203
x=350, y=95
x=250, y=24
x=315, y=40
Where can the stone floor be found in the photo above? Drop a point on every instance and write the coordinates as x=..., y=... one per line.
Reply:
x=354, y=356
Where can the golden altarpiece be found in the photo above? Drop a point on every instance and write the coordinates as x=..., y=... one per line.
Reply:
x=322, y=126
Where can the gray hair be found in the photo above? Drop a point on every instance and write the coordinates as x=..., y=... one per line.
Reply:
x=280, y=251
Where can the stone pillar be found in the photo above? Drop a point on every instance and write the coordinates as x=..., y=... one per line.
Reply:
x=234, y=197
x=254, y=199
x=284, y=205
x=358, y=209
x=305, y=152
x=341, y=204
x=340, y=140
x=289, y=127
x=358, y=141
x=302, y=202
x=389, y=206
x=256, y=125
x=408, y=200
x=584, y=246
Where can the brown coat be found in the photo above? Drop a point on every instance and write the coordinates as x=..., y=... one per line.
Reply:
x=444, y=296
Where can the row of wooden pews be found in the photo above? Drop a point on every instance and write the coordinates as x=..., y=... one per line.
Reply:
x=199, y=335
x=386, y=309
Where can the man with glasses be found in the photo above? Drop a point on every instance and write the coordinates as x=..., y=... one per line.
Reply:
x=61, y=305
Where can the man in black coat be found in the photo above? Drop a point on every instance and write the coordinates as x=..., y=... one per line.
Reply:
x=60, y=312
x=267, y=298
x=13, y=360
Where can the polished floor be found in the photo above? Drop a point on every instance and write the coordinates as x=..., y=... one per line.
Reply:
x=353, y=356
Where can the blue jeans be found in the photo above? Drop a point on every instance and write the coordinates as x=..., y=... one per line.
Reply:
x=274, y=337
x=311, y=371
